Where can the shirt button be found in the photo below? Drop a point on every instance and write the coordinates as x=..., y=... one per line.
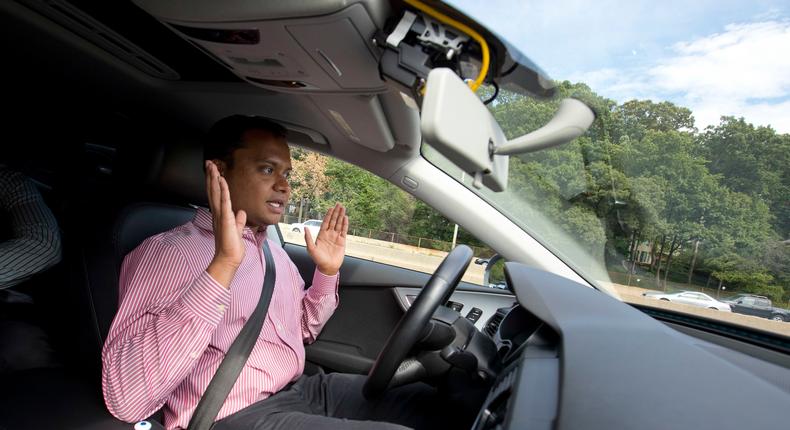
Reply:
x=194, y=355
x=279, y=327
x=221, y=308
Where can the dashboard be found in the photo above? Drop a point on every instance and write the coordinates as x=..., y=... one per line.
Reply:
x=477, y=304
x=576, y=358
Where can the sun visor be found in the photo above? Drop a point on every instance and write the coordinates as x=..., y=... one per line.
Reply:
x=457, y=123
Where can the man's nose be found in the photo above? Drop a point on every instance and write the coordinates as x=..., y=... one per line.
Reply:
x=282, y=185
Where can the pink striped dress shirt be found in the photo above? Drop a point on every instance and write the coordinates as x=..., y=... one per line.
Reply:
x=175, y=324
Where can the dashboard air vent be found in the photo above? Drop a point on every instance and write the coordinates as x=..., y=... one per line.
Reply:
x=493, y=324
x=494, y=412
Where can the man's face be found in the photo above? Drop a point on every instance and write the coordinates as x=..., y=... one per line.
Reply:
x=258, y=177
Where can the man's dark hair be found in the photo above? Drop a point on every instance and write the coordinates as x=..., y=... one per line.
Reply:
x=226, y=136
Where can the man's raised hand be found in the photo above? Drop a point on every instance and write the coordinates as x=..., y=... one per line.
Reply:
x=228, y=228
x=330, y=246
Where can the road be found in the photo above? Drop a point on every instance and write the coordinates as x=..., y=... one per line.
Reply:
x=396, y=254
x=427, y=260
x=634, y=295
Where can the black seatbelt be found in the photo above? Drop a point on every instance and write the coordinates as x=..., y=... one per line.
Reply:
x=228, y=371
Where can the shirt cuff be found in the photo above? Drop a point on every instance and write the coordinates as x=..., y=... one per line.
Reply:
x=323, y=284
x=207, y=299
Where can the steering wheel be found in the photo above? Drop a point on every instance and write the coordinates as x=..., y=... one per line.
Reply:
x=409, y=329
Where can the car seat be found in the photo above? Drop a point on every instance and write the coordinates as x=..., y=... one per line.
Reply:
x=145, y=177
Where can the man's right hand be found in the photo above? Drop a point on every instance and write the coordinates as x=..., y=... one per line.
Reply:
x=228, y=228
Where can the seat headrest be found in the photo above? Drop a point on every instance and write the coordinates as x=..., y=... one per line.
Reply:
x=142, y=220
x=171, y=171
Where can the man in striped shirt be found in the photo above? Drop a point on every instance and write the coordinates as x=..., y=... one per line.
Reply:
x=186, y=293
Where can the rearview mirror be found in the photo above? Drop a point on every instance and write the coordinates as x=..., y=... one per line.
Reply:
x=570, y=121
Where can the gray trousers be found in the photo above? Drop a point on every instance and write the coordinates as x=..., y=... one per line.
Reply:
x=334, y=400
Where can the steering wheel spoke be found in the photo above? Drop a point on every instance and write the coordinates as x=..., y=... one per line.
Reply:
x=391, y=367
x=410, y=370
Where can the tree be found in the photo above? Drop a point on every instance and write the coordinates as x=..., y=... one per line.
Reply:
x=742, y=274
x=371, y=202
x=308, y=177
x=754, y=161
x=636, y=117
x=776, y=258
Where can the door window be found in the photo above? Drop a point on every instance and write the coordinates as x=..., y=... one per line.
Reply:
x=386, y=224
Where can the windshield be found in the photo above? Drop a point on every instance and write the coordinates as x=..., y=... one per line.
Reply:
x=682, y=182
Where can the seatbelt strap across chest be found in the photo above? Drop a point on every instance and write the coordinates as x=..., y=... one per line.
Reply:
x=237, y=355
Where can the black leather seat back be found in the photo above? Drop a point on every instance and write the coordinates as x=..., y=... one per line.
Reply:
x=107, y=219
x=133, y=225
x=145, y=176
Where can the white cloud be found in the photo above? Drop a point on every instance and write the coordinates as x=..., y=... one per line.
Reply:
x=746, y=61
x=742, y=71
x=777, y=115
x=619, y=84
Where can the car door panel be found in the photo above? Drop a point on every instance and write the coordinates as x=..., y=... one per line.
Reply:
x=371, y=304
x=698, y=301
x=351, y=340
x=747, y=307
x=763, y=308
x=685, y=299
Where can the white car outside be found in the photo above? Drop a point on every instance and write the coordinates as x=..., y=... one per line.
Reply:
x=692, y=298
x=314, y=225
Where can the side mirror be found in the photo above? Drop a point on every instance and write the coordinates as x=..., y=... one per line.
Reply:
x=494, y=274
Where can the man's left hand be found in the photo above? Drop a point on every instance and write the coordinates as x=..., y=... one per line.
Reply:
x=330, y=246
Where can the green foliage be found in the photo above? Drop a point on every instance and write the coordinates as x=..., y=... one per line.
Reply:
x=371, y=202
x=643, y=171
x=754, y=161
x=774, y=292
x=636, y=117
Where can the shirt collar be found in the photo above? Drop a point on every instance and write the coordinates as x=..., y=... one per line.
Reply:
x=204, y=221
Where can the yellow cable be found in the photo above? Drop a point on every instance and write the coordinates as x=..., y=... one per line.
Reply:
x=463, y=28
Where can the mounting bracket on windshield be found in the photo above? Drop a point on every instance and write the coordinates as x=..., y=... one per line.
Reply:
x=418, y=44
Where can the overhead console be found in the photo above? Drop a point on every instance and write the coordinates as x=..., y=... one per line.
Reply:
x=294, y=46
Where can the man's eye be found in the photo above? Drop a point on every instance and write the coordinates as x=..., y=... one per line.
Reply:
x=267, y=170
x=287, y=175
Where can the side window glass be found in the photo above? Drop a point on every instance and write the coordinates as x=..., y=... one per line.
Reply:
x=386, y=224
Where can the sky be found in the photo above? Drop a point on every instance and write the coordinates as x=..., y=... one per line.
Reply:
x=722, y=57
